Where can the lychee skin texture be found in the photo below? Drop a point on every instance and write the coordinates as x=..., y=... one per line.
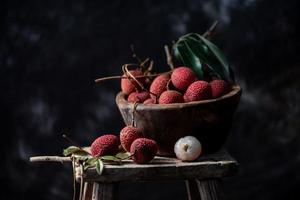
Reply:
x=159, y=85
x=170, y=96
x=139, y=97
x=219, y=88
x=182, y=77
x=188, y=148
x=199, y=90
x=143, y=150
x=150, y=101
x=127, y=135
x=129, y=85
x=105, y=145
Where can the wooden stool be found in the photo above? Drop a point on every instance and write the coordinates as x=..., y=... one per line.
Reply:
x=202, y=177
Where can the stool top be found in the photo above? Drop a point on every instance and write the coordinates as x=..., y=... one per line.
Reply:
x=216, y=165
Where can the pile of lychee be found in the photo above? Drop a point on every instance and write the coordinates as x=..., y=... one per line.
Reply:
x=181, y=85
x=142, y=150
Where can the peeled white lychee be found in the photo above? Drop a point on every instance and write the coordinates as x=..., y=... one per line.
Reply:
x=188, y=148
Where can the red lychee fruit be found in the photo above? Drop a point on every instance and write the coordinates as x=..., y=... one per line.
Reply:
x=127, y=135
x=143, y=150
x=129, y=85
x=105, y=145
x=138, y=97
x=219, y=88
x=150, y=101
x=182, y=77
x=170, y=96
x=159, y=85
x=199, y=90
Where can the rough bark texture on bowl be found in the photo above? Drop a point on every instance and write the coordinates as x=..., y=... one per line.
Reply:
x=208, y=120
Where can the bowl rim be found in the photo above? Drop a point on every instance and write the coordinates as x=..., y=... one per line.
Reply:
x=122, y=103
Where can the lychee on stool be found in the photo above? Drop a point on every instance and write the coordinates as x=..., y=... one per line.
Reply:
x=203, y=177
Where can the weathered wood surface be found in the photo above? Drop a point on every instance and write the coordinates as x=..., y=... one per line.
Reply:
x=192, y=190
x=88, y=191
x=161, y=168
x=208, y=120
x=206, y=189
x=106, y=191
x=50, y=159
x=210, y=189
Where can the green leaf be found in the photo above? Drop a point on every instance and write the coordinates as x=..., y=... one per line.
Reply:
x=187, y=56
x=205, y=55
x=123, y=155
x=99, y=166
x=81, y=158
x=195, y=51
x=110, y=158
x=219, y=55
x=81, y=154
x=75, y=151
x=91, y=162
x=71, y=150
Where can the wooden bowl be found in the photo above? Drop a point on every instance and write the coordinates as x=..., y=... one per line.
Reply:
x=208, y=120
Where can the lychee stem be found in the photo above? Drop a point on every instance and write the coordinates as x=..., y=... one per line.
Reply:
x=207, y=34
x=142, y=64
x=126, y=157
x=133, y=111
x=149, y=69
x=134, y=54
x=75, y=144
x=122, y=77
x=210, y=31
x=126, y=71
x=128, y=74
x=168, y=84
x=185, y=147
x=169, y=57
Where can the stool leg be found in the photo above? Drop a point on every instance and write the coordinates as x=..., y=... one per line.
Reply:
x=204, y=189
x=88, y=191
x=192, y=189
x=104, y=191
x=210, y=189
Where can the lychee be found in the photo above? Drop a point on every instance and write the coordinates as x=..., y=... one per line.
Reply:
x=159, y=85
x=127, y=135
x=199, y=90
x=128, y=85
x=143, y=150
x=182, y=77
x=139, y=97
x=170, y=96
x=219, y=88
x=188, y=148
x=105, y=145
x=150, y=101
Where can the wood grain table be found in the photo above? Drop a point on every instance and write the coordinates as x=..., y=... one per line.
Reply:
x=202, y=177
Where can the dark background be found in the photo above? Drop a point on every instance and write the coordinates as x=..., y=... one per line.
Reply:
x=51, y=51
